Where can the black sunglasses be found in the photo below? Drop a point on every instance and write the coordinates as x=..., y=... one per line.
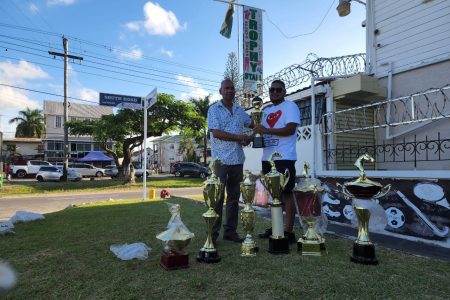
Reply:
x=275, y=90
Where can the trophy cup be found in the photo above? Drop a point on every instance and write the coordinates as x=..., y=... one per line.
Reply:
x=211, y=193
x=361, y=190
x=248, y=215
x=307, y=201
x=258, y=139
x=175, y=240
x=275, y=182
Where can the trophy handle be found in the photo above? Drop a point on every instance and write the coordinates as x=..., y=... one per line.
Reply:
x=343, y=190
x=263, y=182
x=287, y=175
x=383, y=192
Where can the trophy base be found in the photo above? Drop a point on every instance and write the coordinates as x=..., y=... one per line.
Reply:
x=258, y=142
x=249, y=250
x=364, y=254
x=312, y=248
x=209, y=257
x=278, y=246
x=170, y=261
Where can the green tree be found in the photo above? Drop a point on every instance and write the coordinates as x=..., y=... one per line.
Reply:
x=30, y=123
x=126, y=127
x=232, y=70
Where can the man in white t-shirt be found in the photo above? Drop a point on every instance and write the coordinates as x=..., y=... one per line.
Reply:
x=279, y=127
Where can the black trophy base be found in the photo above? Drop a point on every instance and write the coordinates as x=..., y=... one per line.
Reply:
x=364, y=254
x=208, y=257
x=278, y=246
x=311, y=248
x=170, y=261
x=258, y=142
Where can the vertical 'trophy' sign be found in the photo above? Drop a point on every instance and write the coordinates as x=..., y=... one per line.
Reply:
x=253, y=47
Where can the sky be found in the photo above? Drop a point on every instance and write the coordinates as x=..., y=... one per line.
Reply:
x=130, y=47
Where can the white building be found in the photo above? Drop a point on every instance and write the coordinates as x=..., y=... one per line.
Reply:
x=54, y=129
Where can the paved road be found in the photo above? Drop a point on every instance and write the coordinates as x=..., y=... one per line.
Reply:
x=54, y=202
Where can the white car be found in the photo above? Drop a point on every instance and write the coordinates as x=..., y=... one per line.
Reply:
x=87, y=170
x=56, y=174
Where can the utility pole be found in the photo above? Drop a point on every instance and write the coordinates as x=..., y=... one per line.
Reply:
x=66, y=104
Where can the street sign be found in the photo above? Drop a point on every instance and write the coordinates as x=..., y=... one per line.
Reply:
x=121, y=101
x=151, y=98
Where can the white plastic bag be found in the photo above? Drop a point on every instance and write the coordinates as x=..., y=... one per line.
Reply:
x=261, y=195
x=131, y=251
x=6, y=227
x=25, y=216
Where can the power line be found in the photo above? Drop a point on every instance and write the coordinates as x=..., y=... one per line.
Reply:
x=302, y=34
x=106, y=47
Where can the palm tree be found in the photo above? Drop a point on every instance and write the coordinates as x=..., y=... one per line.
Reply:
x=31, y=123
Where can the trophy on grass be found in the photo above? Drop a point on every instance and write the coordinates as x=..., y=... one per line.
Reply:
x=248, y=215
x=211, y=193
x=258, y=139
x=175, y=239
x=361, y=191
x=275, y=182
x=307, y=202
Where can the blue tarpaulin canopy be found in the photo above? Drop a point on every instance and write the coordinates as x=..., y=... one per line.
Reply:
x=96, y=156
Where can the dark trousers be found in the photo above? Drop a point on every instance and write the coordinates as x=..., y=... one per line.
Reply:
x=231, y=176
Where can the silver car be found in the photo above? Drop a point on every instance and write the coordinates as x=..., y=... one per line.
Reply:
x=56, y=173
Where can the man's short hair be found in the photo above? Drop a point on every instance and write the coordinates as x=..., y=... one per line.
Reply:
x=279, y=82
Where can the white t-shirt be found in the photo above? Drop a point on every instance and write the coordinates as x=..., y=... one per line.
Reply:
x=277, y=116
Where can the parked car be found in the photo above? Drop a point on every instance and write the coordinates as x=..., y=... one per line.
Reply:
x=191, y=169
x=30, y=167
x=138, y=170
x=52, y=173
x=111, y=170
x=87, y=170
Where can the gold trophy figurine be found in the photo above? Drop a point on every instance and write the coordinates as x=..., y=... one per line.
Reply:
x=275, y=182
x=361, y=190
x=307, y=202
x=258, y=140
x=211, y=193
x=248, y=215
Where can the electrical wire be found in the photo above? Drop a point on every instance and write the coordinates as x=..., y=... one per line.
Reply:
x=302, y=34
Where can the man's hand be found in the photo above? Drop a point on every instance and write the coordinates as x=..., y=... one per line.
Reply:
x=259, y=129
x=246, y=139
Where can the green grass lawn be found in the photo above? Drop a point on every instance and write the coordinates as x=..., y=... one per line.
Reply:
x=67, y=256
x=98, y=185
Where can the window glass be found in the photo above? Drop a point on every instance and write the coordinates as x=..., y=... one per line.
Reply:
x=305, y=110
x=34, y=163
x=58, y=122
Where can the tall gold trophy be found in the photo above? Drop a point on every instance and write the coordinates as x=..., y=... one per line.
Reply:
x=248, y=215
x=307, y=201
x=275, y=182
x=361, y=190
x=258, y=139
x=211, y=193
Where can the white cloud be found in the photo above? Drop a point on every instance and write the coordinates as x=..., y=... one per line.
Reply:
x=33, y=8
x=20, y=72
x=158, y=21
x=169, y=53
x=196, y=91
x=134, y=53
x=87, y=94
x=60, y=2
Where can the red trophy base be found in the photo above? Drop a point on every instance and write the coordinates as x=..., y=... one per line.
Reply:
x=170, y=261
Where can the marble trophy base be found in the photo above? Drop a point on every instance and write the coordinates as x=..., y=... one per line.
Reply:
x=171, y=261
x=364, y=254
x=278, y=246
x=258, y=142
x=209, y=257
x=312, y=248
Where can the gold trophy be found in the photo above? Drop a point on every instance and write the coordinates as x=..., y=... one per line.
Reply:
x=307, y=201
x=175, y=239
x=360, y=190
x=275, y=182
x=248, y=215
x=258, y=139
x=211, y=193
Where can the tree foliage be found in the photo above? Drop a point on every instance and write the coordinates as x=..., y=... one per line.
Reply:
x=232, y=70
x=30, y=123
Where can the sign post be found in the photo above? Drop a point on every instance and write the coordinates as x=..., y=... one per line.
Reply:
x=149, y=100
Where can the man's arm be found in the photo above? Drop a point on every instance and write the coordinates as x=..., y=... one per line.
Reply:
x=227, y=136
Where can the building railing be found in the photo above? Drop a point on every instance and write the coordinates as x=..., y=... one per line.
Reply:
x=407, y=151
